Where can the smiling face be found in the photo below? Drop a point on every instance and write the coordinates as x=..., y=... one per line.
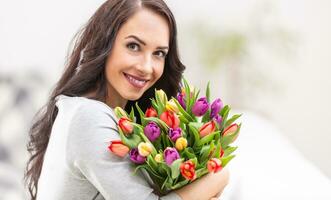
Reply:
x=137, y=58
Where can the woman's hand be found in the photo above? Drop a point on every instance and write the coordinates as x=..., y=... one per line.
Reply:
x=209, y=187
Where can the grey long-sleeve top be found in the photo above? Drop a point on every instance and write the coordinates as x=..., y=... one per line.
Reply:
x=77, y=162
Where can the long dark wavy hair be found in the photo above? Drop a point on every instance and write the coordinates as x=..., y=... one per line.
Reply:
x=85, y=72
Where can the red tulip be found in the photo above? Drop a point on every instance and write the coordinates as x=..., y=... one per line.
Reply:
x=118, y=148
x=231, y=130
x=187, y=169
x=207, y=128
x=214, y=165
x=151, y=112
x=125, y=125
x=170, y=118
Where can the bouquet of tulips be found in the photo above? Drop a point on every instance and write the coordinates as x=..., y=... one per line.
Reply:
x=178, y=140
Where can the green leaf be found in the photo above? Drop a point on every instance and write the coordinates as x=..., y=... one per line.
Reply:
x=205, y=152
x=132, y=115
x=139, y=167
x=119, y=112
x=151, y=162
x=142, y=115
x=179, y=184
x=217, y=152
x=187, y=95
x=175, y=168
x=132, y=141
x=225, y=116
x=195, y=133
x=207, y=138
x=208, y=92
x=196, y=96
x=182, y=111
x=224, y=109
x=188, y=151
x=226, y=160
x=232, y=119
x=165, y=168
x=229, y=150
x=206, y=116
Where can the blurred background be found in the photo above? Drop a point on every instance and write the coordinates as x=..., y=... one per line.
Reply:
x=269, y=60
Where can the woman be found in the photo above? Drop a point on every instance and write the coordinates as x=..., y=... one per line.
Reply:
x=127, y=49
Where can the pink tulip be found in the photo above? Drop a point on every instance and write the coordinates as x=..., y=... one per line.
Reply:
x=207, y=128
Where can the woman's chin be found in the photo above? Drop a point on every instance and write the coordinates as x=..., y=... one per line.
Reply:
x=133, y=97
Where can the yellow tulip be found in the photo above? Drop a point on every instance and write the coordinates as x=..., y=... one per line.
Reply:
x=181, y=143
x=171, y=106
x=158, y=158
x=145, y=148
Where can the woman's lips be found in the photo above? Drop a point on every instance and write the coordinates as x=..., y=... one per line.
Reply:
x=134, y=81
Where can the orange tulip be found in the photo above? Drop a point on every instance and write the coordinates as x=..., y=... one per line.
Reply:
x=187, y=169
x=231, y=130
x=151, y=112
x=207, y=128
x=170, y=118
x=214, y=165
x=118, y=148
x=125, y=125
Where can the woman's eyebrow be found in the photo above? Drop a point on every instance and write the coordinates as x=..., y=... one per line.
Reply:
x=144, y=43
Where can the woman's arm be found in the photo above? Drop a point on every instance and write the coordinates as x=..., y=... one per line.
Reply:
x=205, y=188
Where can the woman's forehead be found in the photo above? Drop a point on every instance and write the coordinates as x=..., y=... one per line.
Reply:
x=148, y=26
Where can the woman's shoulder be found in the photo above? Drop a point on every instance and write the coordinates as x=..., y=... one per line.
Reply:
x=84, y=107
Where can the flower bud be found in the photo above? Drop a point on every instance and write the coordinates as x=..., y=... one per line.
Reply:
x=151, y=112
x=181, y=143
x=119, y=112
x=215, y=107
x=207, y=128
x=218, y=119
x=172, y=106
x=136, y=157
x=231, y=130
x=162, y=95
x=158, y=158
x=214, y=165
x=174, y=133
x=170, y=118
x=145, y=148
x=125, y=125
x=187, y=169
x=181, y=100
x=152, y=131
x=118, y=148
x=170, y=155
x=200, y=107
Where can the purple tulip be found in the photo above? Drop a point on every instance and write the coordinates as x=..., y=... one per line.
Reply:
x=215, y=107
x=200, y=107
x=152, y=131
x=218, y=119
x=170, y=155
x=181, y=100
x=175, y=133
x=136, y=157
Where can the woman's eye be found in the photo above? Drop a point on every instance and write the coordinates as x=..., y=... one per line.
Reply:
x=161, y=54
x=133, y=46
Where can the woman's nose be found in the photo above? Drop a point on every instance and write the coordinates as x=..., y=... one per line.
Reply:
x=146, y=65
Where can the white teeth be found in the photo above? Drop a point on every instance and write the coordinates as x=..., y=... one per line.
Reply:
x=138, y=82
